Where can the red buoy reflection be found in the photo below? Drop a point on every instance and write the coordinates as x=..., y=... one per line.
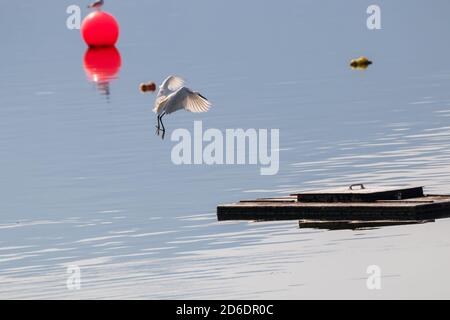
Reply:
x=102, y=65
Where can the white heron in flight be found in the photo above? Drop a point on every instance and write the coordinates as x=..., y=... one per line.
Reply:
x=173, y=96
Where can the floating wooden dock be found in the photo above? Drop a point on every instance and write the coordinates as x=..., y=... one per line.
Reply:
x=354, y=203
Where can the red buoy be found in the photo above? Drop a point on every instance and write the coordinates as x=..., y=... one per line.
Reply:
x=100, y=29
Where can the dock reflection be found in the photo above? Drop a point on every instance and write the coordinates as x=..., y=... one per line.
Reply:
x=356, y=225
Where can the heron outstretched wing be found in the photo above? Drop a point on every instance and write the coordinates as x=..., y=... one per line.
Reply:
x=185, y=98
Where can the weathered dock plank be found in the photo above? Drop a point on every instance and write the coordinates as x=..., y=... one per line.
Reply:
x=363, y=194
x=421, y=208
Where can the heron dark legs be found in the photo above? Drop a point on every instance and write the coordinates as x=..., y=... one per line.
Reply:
x=160, y=120
x=161, y=124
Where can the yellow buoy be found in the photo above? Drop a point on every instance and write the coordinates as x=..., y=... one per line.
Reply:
x=146, y=87
x=360, y=63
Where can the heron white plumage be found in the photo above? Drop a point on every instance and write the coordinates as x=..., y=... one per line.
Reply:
x=173, y=96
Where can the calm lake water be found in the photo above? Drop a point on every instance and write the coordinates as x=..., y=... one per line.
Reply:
x=86, y=182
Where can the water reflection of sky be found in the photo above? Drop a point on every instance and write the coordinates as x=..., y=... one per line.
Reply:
x=86, y=182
